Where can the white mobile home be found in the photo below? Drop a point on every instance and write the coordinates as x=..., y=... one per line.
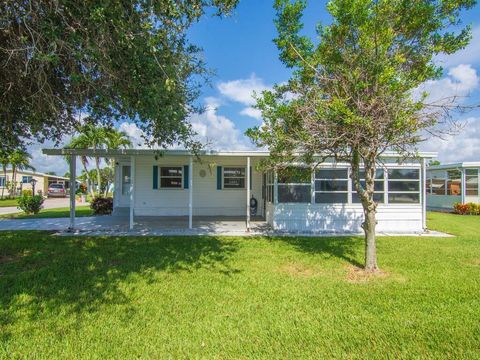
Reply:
x=223, y=184
x=452, y=183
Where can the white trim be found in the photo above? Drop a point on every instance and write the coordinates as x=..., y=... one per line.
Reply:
x=247, y=173
x=132, y=191
x=160, y=187
x=190, y=193
x=73, y=169
x=232, y=177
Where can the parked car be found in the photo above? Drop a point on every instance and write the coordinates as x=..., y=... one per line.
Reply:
x=55, y=190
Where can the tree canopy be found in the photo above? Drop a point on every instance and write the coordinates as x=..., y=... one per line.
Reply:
x=109, y=59
x=351, y=94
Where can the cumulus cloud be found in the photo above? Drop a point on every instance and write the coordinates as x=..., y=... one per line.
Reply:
x=464, y=146
x=460, y=82
x=252, y=112
x=469, y=55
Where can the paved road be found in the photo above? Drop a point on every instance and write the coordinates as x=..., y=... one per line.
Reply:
x=51, y=203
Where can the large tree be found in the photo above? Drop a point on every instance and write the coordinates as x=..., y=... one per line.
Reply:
x=351, y=93
x=110, y=59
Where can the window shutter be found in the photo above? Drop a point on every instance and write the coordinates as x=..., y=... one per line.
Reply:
x=219, y=178
x=155, y=177
x=250, y=178
x=186, y=174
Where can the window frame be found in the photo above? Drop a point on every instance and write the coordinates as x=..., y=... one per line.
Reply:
x=29, y=179
x=160, y=177
x=383, y=180
x=244, y=177
x=477, y=176
x=349, y=191
x=306, y=184
x=4, y=178
x=417, y=192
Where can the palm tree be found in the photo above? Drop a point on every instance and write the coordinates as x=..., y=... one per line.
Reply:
x=114, y=140
x=20, y=160
x=4, y=161
x=81, y=142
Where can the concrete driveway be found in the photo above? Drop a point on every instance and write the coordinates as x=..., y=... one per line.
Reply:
x=50, y=203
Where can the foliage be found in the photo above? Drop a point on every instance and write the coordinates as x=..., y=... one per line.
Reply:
x=467, y=209
x=27, y=192
x=110, y=59
x=350, y=96
x=30, y=204
x=300, y=289
x=433, y=163
x=82, y=189
x=102, y=205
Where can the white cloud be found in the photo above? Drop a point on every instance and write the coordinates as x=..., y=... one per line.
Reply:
x=461, y=81
x=45, y=163
x=217, y=131
x=252, y=112
x=469, y=55
x=135, y=134
x=464, y=146
x=242, y=90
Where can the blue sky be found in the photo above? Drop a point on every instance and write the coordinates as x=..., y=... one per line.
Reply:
x=240, y=50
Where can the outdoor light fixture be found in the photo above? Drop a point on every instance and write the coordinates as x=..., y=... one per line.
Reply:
x=33, y=182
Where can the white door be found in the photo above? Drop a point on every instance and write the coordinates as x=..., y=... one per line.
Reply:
x=125, y=185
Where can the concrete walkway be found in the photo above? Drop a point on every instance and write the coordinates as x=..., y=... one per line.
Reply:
x=50, y=203
x=157, y=226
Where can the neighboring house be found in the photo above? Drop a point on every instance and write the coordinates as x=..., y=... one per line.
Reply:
x=24, y=178
x=453, y=183
x=221, y=184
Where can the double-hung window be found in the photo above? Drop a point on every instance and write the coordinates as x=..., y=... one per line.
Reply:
x=269, y=184
x=171, y=177
x=454, y=182
x=471, y=181
x=26, y=179
x=403, y=186
x=331, y=186
x=294, y=185
x=3, y=182
x=379, y=187
x=234, y=178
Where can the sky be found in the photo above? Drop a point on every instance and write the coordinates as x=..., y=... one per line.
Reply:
x=240, y=50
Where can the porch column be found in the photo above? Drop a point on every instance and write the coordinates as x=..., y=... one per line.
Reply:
x=463, y=186
x=132, y=190
x=248, y=193
x=73, y=185
x=424, y=193
x=190, y=193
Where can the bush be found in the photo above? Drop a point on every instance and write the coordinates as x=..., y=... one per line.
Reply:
x=27, y=192
x=467, y=209
x=30, y=204
x=102, y=205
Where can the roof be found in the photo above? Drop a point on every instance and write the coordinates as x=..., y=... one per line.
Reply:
x=37, y=173
x=461, y=165
x=130, y=152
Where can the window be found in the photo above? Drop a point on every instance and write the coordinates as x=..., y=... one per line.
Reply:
x=171, y=177
x=294, y=185
x=471, y=181
x=126, y=180
x=269, y=182
x=26, y=179
x=234, y=178
x=403, y=186
x=438, y=187
x=331, y=186
x=454, y=182
x=379, y=187
x=2, y=181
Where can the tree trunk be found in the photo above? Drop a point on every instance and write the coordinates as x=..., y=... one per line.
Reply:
x=5, y=183
x=369, y=226
x=89, y=181
x=99, y=176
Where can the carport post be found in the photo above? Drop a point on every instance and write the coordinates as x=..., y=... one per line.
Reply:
x=248, y=193
x=190, y=193
x=73, y=188
x=132, y=189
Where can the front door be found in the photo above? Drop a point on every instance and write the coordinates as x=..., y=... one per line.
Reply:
x=125, y=185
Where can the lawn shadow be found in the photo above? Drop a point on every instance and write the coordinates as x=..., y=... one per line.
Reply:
x=74, y=274
x=341, y=247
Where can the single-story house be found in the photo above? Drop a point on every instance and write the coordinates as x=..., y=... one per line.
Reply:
x=453, y=183
x=221, y=184
x=24, y=180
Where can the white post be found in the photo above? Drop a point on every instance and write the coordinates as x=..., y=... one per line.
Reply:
x=190, y=194
x=275, y=187
x=132, y=190
x=73, y=185
x=423, y=186
x=463, y=186
x=248, y=193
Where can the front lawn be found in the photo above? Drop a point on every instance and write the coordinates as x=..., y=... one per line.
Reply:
x=51, y=213
x=8, y=202
x=230, y=298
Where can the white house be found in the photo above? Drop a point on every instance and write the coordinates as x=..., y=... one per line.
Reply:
x=222, y=184
x=452, y=183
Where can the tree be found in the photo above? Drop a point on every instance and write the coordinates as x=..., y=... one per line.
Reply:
x=350, y=96
x=112, y=60
x=4, y=161
x=114, y=140
x=19, y=160
x=433, y=163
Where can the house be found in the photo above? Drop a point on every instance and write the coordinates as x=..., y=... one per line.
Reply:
x=452, y=183
x=221, y=184
x=24, y=180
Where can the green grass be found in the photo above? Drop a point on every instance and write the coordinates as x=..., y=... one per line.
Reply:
x=230, y=298
x=51, y=213
x=8, y=202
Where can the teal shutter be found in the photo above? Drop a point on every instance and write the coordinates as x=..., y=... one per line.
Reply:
x=155, y=177
x=186, y=174
x=250, y=178
x=219, y=178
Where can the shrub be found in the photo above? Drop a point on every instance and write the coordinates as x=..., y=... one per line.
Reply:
x=30, y=204
x=467, y=209
x=102, y=205
x=27, y=192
